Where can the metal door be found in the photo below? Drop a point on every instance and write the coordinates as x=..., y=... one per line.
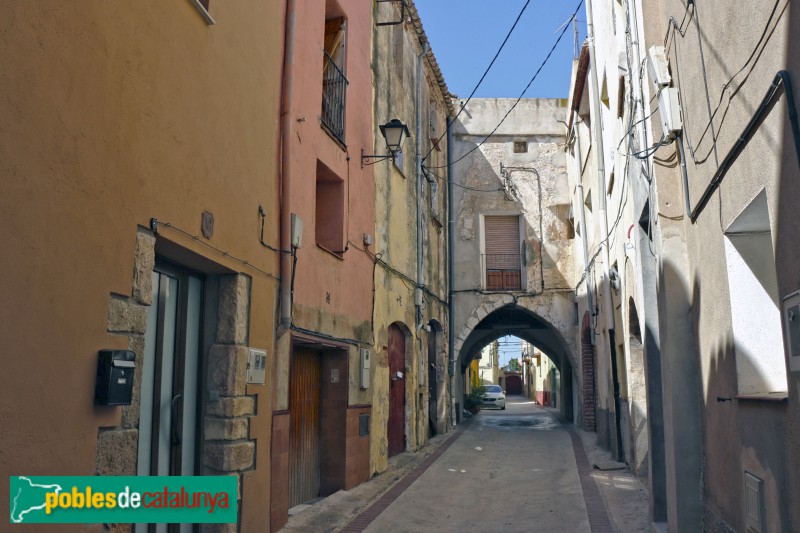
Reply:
x=304, y=403
x=397, y=391
x=169, y=407
x=432, y=395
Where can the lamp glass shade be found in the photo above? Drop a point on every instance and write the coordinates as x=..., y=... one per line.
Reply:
x=394, y=131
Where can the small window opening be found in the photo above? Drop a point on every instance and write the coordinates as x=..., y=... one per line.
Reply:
x=329, y=221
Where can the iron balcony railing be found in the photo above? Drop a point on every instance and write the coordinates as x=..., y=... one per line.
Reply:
x=334, y=85
x=503, y=272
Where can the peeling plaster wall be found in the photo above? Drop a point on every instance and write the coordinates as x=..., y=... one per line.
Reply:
x=395, y=51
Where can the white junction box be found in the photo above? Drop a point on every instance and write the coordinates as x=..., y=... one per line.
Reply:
x=364, y=374
x=791, y=317
x=297, y=231
x=257, y=366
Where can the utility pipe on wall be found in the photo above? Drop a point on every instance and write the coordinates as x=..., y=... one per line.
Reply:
x=582, y=214
x=418, y=295
x=450, y=270
x=597, y=128
x=597, y=134
x=286, y=135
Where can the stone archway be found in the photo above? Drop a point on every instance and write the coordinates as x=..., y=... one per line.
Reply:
x=546, y=321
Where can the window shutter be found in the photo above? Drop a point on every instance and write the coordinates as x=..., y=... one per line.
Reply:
x=334, y=38
x=502, y=235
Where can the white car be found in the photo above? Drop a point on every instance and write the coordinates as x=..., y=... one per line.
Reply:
x=495, y=397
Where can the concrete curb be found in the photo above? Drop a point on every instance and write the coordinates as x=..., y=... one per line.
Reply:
x=340, y=510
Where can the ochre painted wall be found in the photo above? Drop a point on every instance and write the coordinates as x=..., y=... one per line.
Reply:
x=113, y=113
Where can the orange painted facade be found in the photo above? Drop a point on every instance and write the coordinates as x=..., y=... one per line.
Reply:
x=115, y=113
x=326, y=311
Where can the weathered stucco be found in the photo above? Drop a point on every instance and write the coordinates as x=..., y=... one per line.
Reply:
x=395, y=52
x=532, y=185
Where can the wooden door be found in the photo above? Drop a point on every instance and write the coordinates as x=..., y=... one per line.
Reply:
x=304, y=405
x=397, y=391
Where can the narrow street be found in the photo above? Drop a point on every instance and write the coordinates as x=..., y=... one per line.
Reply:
x=511, y=470
x=508, y=470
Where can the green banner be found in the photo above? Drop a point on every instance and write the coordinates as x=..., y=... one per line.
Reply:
x=122, y=499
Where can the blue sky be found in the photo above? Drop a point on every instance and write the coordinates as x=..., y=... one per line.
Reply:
x=465, y=35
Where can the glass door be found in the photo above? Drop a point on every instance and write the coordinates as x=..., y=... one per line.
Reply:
x=169, y=410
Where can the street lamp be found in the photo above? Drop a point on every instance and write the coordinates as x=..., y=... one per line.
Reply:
x=393, y=133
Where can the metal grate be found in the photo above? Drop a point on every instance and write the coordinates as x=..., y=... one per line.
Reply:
x=503, y=272
x=334, y=85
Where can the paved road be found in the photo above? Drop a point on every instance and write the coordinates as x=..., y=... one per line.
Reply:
x=512, y=470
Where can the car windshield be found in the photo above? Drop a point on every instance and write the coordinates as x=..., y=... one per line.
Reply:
x=494, y=388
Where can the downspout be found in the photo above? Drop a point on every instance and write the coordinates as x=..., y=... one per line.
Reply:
x=597, y=128
x=582, y=215
x=418, y=291
x=450, y=270
x=636, y=86
x=286, y=135
x=597, y=134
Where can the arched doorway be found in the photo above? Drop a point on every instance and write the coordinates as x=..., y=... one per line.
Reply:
x=395, y=429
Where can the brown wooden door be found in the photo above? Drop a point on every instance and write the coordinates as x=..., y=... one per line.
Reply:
x=304, y=404
x=397, y=391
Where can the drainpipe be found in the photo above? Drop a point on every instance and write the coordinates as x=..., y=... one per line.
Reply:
x=597, y=128
x=286, y=135
x=582, y=214
x=597, y=134
x=418, y=291
x=450, y=269
x=636, y=85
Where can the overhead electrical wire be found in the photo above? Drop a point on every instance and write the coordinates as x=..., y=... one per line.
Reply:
x=522, y=94
x=751, y=61
x=426, y=171
x=485, y=72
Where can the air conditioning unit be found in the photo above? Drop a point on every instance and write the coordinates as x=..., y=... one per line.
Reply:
x=669, y=108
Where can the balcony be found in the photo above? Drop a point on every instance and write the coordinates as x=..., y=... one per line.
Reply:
x=503, y=272
x=334, y=86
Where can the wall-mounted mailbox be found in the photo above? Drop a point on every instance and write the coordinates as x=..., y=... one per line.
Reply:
x=114, y=384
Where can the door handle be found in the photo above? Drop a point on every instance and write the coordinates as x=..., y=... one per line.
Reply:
x=176, y=436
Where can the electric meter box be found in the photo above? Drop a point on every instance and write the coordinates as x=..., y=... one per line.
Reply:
x=256, y=366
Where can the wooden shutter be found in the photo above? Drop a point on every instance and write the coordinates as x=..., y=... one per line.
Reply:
x=334, y=38
x=502, y=235
x=502, y=246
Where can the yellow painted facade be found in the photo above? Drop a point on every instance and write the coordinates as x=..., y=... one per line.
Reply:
x=396, y=50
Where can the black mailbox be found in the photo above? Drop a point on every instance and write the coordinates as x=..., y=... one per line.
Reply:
x=114, y=384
